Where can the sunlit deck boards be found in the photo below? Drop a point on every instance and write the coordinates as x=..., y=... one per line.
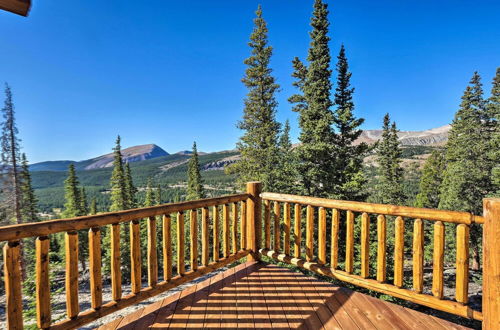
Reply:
x=257, y=295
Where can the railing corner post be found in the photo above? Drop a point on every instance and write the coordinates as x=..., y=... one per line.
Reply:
x=491, y=263
x=254, y=221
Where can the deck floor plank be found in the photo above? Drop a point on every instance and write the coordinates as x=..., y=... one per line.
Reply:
x=258, y=295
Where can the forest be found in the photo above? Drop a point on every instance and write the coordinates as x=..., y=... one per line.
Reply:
x=324, y=163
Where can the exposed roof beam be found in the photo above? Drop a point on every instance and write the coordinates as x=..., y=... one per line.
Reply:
x=20, y=7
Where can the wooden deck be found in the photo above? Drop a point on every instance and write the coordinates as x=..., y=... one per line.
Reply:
x=258, y=295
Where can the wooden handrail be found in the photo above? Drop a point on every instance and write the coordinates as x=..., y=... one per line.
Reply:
x=44, y=228
x=236, y=227
x=404, y=211
x=308, y=257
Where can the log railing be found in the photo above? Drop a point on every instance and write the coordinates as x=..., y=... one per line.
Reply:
x=236, y=235
x=234, y=226
x=312, y=254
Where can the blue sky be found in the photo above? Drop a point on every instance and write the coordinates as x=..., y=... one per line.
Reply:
x=169, y=72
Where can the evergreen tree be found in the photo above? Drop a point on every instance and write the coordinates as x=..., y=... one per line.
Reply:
x=119, y=195
x=84, y=208
x=72, y=205
x=467, y=178
x=316, y=153
x=131, y=190
x=158, y=195
x=494, y=113
x=29, y=207
x=195, y=182
x=349, y=176
x=258, y=145
x=150, y=197
x=389, y=188
x=11, y=194
x=287, y=176
x=93, y=206
x=430, y=183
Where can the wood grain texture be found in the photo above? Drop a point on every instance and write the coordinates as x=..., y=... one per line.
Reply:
x=234, y=228
x=322, y=235
x=267, y=224
x=297, y=230
x=135, y=256
x=381, y=248
x=399, y=245
x=216, y=233
x=276, y=226
x=152, y=252
x=12, y=278
x=193, y=239
x=334, y=253
x=254, y=219
x=462, y=278
x=491, y=263
x=181, y=267
x=226, y=243
x=95, y=267
x=287, y=223
x=167, y=247
x=243, y=225
x=365, y=245
x=116, y=273
x=396, y=210
x=43, y=317
x=71, y=249
x=349, y=252
x=309, y=233
x=418, y=255
x=438, y=260
x=205, y=248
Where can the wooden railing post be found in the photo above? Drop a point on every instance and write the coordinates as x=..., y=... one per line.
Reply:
x=491, y=263
x=254, y=219
x=13, y=293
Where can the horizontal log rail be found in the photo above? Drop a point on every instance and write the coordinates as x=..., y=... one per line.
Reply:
x=403, y=211
x=320, y=216
x=192, y=222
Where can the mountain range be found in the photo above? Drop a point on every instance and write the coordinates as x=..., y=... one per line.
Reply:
x=432, y=137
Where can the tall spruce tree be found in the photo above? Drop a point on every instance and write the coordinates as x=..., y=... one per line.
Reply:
x=150, y=197
x=389, y=188
x=349, y=177
x=317, y=150
x=11, y=185
x=72, y=204
x=130, y=188
x=287, y=176
x=93, y=206
x=158, y=195
x=258, y=144
x=84, y=206
x=195, y=188
x=431, y=180
x=467, y=178
x=494, y=113
x=29, y=203
x=119, y=195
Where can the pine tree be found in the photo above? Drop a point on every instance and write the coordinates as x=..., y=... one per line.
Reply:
x=131, y=190
x=93, y=206
x=29, y=203
x=10, y=159
x=84, y=208
x=349, y=176
x=494, y=113
x=287, y=176
x=389, y=188
x=72, y=205
x=119, y=196
x=467, y=178
x=258, y=145
x=430, y=183
x=313, y=103
x=150, y=197
x=158, y=195
x=195, y=182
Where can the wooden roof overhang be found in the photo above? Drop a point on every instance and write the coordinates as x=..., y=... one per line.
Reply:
x=20, y=7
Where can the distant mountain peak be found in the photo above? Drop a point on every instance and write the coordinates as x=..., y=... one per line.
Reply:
x=433, y=137
x=130, y=155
